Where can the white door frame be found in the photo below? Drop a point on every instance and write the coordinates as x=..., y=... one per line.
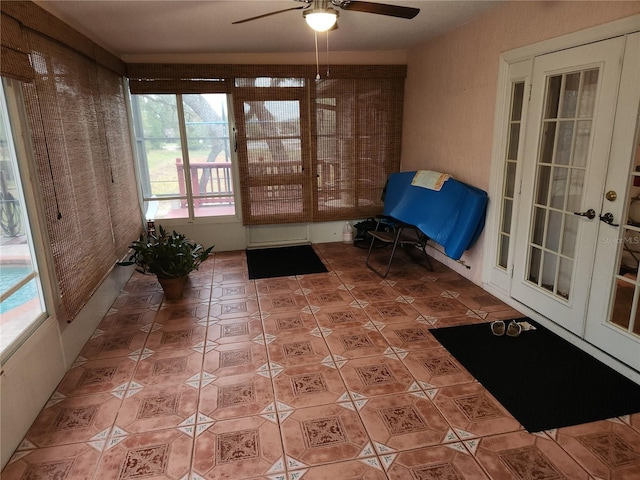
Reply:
x=601, y=32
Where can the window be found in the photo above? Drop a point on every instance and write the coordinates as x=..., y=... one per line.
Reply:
x=21, y=302
x=184, y=155
x=307, y=150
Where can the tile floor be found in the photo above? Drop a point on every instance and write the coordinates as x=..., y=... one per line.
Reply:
x=328, y=376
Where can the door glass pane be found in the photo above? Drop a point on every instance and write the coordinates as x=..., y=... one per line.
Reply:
x=210, y=169
x=549, y=271
x=574, y=194
x=558, y=187
x=159, y=150
x=570, y=95
x=588, y=93
x=565, y=272
x=559, y=190
x=548, y=141
x=552, y=103
x=554, y=231
x=581, y=150
x=564, y=143
x=544, y=180
x=571, y=223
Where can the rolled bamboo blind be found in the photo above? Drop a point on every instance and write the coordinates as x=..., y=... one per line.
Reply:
x=15, y=51
x=70, y=155
x=76, y=110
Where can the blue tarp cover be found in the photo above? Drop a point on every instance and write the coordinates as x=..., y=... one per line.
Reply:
x=453, y=216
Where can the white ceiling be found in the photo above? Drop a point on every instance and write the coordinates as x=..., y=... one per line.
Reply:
x=135, y=28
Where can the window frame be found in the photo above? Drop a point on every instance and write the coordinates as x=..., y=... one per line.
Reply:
x=35, y=230
x=142, y=169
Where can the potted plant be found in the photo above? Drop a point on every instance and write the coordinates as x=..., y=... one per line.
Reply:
x=168, y=256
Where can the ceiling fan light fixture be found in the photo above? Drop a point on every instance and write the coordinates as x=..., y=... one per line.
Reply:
x=321, y=19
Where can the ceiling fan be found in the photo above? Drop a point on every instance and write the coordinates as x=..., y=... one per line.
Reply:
x=321, y=17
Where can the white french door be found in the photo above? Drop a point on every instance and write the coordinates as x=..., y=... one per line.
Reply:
x=613, y=311
x=566, y=159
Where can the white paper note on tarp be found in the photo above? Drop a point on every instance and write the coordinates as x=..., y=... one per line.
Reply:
x=430, y=179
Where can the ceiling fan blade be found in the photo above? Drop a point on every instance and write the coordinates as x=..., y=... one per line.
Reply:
x=381, y=9
x=269, y=14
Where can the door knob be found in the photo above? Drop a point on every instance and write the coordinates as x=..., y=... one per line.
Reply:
x=590, y=214
x=608, y=218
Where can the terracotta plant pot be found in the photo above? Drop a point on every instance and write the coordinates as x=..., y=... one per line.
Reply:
x=173, y=287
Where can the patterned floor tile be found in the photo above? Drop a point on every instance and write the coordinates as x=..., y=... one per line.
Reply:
x=472, y=411
x=356, y=342
x=176, y=335
x=169, y=367
x=165, y=454
x=239, y=307
x=403, y=421
x=157, y=407
x=233, y=292
x=450, y=462
x=235, y=359
x=277, y=285
x=372, y=294
x=392, y=312
x=409, y=336
x=436, y=367
x=77, y=461
x=194, y=312
x=148, y=299
x=230, y=277
x=378, y=375
x=234, y=330
x=607, y=449
x=364, y=469
x=319, y=281
x=110, y=344
x=345, y=316
x=235, y=396
x=297, y=350
x=74, y=420
x=288, y=323
x=336, y=297
x=324, y=434
x=97, y=376
x=309, y=385
x=439, y=306
x=525, y=455
x=360, y=277
x=237, y=449
x=418, y=288
x=127, y=319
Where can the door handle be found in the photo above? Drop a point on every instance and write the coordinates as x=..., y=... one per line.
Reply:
x=590, y=214
x=608, y=218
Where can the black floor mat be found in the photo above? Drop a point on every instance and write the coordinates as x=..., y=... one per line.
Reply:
x=283, y=262
x=544, y=381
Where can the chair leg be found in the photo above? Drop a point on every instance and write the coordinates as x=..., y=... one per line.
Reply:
x=393, y=251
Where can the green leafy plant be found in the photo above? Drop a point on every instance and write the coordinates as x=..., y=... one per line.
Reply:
x=166, y=255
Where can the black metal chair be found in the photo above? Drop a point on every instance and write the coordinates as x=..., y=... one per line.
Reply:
x=396, y=233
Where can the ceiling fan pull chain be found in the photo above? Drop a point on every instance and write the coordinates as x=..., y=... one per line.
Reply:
x=315, y=34
x=328, y=63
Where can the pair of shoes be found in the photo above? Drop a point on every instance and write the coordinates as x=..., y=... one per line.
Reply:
x=512, y=330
